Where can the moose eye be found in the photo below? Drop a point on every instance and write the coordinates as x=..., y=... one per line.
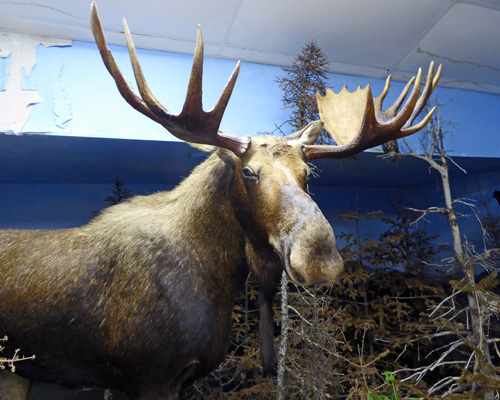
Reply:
x=248, y=173
x=305, y=152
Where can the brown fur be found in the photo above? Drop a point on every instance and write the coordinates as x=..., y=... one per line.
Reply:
x=140, y=299
x=13, y=386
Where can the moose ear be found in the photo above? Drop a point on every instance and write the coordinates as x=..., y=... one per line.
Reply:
x=307, y=135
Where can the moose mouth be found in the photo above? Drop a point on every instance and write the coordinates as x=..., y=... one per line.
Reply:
x=318, y=270
x=308, y=258
x=299, y=279
x=292, y=273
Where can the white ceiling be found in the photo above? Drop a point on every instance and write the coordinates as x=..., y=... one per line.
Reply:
x=360, y=37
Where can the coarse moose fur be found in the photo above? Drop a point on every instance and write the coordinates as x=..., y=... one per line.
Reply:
x=140, y=299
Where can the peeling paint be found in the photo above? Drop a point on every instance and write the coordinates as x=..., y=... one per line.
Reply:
x=4, y=71
x=61, y=104
x=15, y=101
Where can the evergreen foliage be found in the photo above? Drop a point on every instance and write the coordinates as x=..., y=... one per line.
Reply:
x=302, y=80
x=119, y=193
x=402, y=245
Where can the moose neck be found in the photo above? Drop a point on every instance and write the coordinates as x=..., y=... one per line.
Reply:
x=205, y=203
x=195, y=221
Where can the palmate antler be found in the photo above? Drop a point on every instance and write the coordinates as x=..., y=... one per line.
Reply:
x=193, y=124
x=356, y=121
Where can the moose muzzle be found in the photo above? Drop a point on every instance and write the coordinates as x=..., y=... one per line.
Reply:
x=306, y=242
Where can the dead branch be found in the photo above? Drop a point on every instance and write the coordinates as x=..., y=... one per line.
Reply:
x=429, y=210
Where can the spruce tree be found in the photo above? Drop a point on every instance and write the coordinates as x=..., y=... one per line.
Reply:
x=120, y=193
x=302, y=80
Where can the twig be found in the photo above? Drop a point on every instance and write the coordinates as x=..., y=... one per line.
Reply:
x=443, y=382
x=421, y=371
x=445, y=300
x=429, y=210
x=300, y=315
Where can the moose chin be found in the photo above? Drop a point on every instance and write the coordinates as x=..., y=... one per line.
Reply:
x=140, y=298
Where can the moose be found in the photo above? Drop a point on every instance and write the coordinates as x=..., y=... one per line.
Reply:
x=140, y=298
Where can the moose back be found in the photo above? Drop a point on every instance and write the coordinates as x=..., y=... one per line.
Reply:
x=140, y=299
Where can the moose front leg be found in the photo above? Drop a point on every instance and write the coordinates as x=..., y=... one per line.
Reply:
x=266, y=266
x=13, y=387
x=266, y=332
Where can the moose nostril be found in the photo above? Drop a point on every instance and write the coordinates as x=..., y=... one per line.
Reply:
x=320, y=282
x=298, y=278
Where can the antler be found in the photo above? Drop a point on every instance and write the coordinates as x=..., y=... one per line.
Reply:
x=193, y=124
x=357, y=122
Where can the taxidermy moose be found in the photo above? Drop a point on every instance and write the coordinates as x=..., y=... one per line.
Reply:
x=140, y=298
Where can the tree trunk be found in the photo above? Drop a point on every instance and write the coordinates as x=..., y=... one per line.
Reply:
x=284, y=338
x=483, y=363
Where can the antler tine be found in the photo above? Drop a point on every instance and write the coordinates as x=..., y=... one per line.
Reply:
x=408, y=129
x=123, y=86
x=380, y=99
x=392, y=110
x=147, y=96
x=415, y=128
x=404, y=114
x=193, y=104
x=357, y=121
x=192, y=124
x=221, y=105
x=430, y=84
